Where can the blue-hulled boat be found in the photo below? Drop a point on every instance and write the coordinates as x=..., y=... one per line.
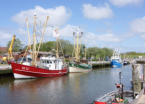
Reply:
x=116, y=59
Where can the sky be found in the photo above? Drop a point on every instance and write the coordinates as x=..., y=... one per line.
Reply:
x=104, y=23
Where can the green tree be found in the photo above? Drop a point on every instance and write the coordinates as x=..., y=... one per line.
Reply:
x=64, y=45
x=16, y=46
x=67, y=47
x=47, y=46
x=92, y=51
x=99, y=53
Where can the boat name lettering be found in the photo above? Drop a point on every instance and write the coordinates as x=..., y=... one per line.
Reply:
x=25, y=68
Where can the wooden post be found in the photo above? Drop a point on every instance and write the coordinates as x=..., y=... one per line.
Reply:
x=144, y=73
x=144, y=77
x=136, y=78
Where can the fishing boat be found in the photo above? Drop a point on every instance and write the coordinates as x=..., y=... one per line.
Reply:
x=79, y=67
x=76, y=65
x=48, y=67
x=116, y=59
x=30, y=67
x=116, y=97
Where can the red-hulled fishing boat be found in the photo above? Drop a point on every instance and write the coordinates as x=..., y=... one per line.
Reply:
x=48, y=67
x=32, y=67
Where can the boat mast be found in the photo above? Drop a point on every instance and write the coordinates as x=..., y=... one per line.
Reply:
x=74, y=44
x=77, y=46
x=85, y=53
x=80, y=45
x=34, y=43
x=29, y=40
x=42, y=36
x=57, y=50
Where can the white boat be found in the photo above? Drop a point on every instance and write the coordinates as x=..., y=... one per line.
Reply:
x=79, y=68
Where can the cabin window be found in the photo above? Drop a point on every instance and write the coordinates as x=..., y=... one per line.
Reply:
x=43, y=61
x=47, y=61
x=29, y=59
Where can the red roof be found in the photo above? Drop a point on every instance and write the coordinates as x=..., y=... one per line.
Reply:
x=3, y=49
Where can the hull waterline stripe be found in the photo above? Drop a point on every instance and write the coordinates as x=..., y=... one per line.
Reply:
x=39, y=72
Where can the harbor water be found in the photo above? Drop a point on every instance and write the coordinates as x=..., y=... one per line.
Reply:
x=74, y=88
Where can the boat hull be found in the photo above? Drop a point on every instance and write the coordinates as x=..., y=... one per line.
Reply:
x=78, y=70
x=24, y=71
x=109, y=98
x=115, y=64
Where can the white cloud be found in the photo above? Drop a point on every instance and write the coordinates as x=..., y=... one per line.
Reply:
x=91, y=39
x=88, y=37
x=21, y=32
x=58, y=16
x=92, y=12
x=125, y=2
x=4, y=37
x=138, y=26
x=108, y=38
x=68, y=30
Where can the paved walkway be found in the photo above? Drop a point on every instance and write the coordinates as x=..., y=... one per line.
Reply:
x=3, y=67
x=140, y=99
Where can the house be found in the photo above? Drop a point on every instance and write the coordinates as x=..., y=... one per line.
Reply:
x=3, y=49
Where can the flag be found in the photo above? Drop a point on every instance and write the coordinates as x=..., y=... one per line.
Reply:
x=55, y=33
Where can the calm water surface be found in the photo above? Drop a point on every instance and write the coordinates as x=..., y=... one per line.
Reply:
x=76, y=88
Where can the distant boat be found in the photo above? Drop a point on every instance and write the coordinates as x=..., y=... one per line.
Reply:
x=125, y=62
x=76, y=65
x=116, y=59
x=32, y=68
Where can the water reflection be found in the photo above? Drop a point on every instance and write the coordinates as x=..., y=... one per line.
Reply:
x=74, y=88
x=38, y=90
x=74, y=81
